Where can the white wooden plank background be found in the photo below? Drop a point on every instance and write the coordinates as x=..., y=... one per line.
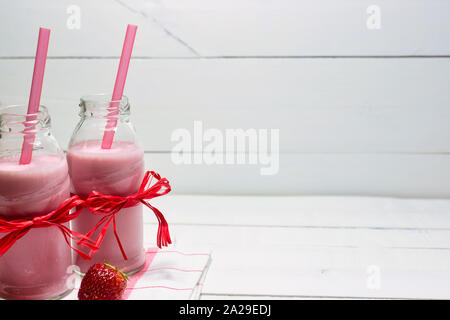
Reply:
x=102, y=26
x=303, y=247
x=231, y=28
x=326, y=105
x=353, y=119
x=292, y=27
x=401, y=175
x=331, y=140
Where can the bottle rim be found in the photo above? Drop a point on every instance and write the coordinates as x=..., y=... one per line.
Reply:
x=100, y=105
x=43, y=110
x=103, y=99
x=15, y=119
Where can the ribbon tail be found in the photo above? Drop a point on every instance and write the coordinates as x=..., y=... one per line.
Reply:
x=100, y=237
x=73, y=235
x=118, y=239
x=163, y=237
x=83, y=239
x=81, y=253
x=82, y=242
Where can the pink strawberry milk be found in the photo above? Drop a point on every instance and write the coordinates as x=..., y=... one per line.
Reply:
x=35, y=267
x=117, y=170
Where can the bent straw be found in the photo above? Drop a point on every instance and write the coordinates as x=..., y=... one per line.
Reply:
x=35, y=95
x=121, y=77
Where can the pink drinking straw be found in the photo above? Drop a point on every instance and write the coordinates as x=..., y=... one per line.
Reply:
x=35, y=95
x=108, y=135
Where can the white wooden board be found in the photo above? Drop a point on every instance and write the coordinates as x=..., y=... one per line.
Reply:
x=402, y=175
x=369, y=125
x=329, y=261
x=319, y=105
x=102, y=29
x=334, y=212
x=231, y=28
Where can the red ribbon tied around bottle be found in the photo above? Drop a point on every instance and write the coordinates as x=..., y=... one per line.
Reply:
x=18, y=228
x=109, y=206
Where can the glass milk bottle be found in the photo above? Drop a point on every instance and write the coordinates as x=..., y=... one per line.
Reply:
x=116, y=171
x=36, y=265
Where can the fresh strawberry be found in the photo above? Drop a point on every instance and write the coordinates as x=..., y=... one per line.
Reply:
x=102, y=282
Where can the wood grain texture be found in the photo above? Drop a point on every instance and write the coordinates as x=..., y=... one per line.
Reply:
x=334, y=212
x=319, y=105
x=328, y=261
x=230, y=28
x=327, y=173
x=102, y=30
x=292, y=27
x=368, y=125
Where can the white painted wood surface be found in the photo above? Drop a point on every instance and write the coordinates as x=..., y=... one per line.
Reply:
x=326, y=105
x=231, y=28
x=401, y=175
x=303, y=247
x=331, y=140
x=352, y=120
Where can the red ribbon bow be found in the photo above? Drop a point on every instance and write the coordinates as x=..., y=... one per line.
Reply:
x=19, y=227
x=109, y=206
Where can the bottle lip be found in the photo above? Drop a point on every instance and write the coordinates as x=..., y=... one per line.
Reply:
x=20, y=110
x=103, y=99
x=15, y=119
x=100, y=105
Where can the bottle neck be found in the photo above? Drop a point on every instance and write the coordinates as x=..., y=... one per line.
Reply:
x=100, y=106
x=14, y=120
x=16, y=125
x=99, y=116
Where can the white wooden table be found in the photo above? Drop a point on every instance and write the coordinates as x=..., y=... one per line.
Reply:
x=314, y=247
